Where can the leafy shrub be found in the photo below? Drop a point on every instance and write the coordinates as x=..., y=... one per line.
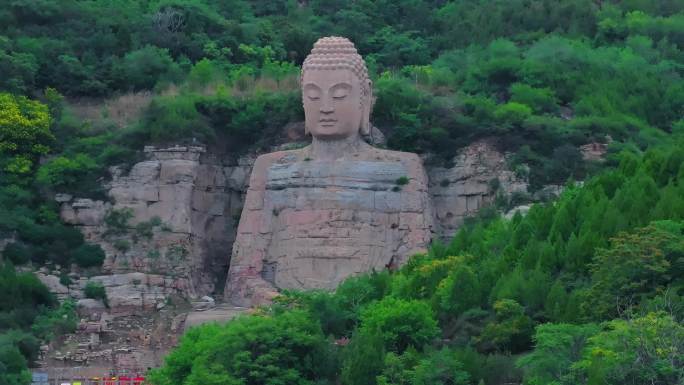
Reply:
x=203, y=72
x=17, y=253
x=28, y=344
x=57, y=322
x=642, y=350
x=400, y=323
x=512, y=329
x=459, y=292
x=512, y=113
x=540, y=100
x=14, y=365
x=363, y=359
x=288, y=348
x=88, y=255
x=95, y=290
x=122, y=245
x=557, y=348
x=24, y=132
x=64, y=279
x=153, y=254
x=635, y=266
x=176, y=253
x=566, y=162
x=117, y=221
x=20, y=290
x=65, y=173
x=145, y=228
x=440, y=367
x=143, y=68
x=172, y=119
x=253, y=121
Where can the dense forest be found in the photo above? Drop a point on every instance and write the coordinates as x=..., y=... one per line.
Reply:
x=586, y=289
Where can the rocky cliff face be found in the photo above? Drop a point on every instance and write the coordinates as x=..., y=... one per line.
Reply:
x=478, y=174
x=175, y=215
x=168, y=229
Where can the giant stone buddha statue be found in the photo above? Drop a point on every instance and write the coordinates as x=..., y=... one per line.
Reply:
x=338, y=207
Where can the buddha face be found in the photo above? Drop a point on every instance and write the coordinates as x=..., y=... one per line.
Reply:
x=332, y=103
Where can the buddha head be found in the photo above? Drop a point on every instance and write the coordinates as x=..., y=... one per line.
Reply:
x=336, y=90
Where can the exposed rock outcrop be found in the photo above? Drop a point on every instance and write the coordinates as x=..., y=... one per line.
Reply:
x=478, y=174
x=127, y=293
x=594, y=151
x=172, y=215
x=198, y=202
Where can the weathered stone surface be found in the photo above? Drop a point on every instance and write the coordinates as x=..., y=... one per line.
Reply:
x=522, y=210
x=87, y=307
x=316, y=222
x=338, y=207
x=199, y=218
x=61, y=198
x=594, y=151
x=134, y=292
x=196, y=204
x=85, y=212
x=220, y=315
x=53, y=284
x=478, y=174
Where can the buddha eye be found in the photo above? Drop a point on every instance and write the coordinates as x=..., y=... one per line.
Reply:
x=313, y=94
x=340, y=93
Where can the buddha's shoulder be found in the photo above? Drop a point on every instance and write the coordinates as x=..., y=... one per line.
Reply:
x=383, y=155
x=369, y=154
x=286, y=156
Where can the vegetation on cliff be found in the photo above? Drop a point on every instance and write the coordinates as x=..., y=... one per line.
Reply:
x=584, y=290
x=579, y=281
x=29, y=315
x=544, y=76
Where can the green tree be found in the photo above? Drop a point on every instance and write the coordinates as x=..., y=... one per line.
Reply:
x=538, y=99
x=287, y=348
x=459, y=292
x=557, y=347
x=400, y=323
x=88, y=255
x=648, y=349
x=513, y=113
x=439, y=367
x=24, y=132
x=363, y=359
x=636, y=266
x=63, y=173
x=143, y=68
x=510, y=331
x=14, y=367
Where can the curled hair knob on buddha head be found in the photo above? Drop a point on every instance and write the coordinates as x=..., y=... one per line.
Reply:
x=339, y=53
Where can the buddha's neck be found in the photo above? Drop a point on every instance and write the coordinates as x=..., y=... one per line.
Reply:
x=334, y=149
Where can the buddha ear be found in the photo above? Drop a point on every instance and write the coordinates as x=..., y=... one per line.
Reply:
x=367, y=107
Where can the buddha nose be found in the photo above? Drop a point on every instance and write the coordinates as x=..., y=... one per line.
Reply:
x=327, y=106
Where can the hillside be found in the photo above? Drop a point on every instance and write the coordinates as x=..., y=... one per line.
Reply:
x=559, y=295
